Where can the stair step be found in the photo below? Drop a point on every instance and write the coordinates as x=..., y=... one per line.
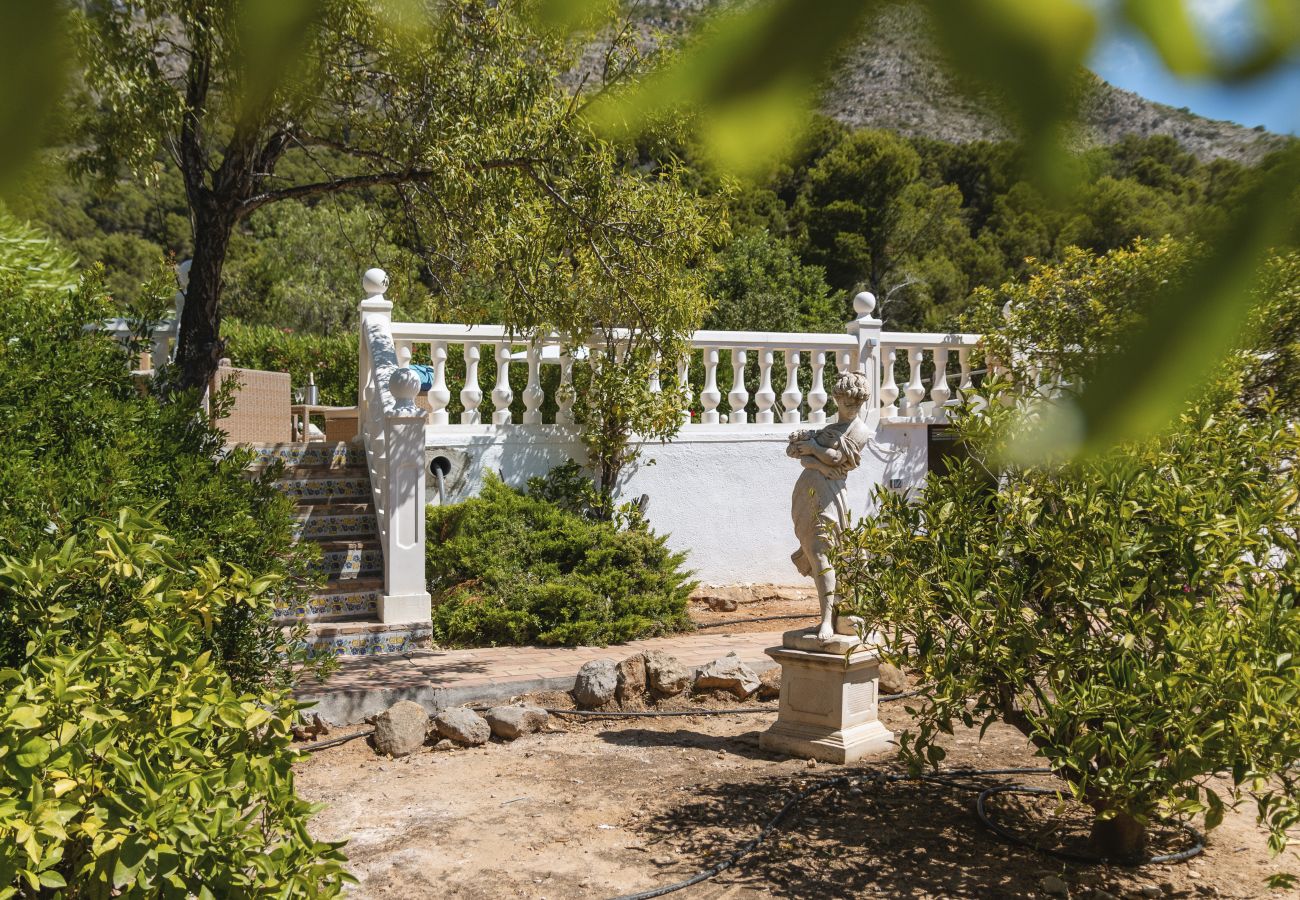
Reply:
x=344, y=560
x=338, y=601
x=327, y=521
x=345, y=486
x=313, y=454
x=367, y=638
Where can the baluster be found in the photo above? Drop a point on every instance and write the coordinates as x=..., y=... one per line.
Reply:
x=684, y=385
x=655, y=386
x=564, y=395
x=439, y=394
x=765, y=396
x=966, y=385
x=817, y=396
x=710, y=397
x=791, y=397
x=471, y=395
x=403, y=352
x=939, y=390
x=738, y=397
x=889, y=387
x=533, y=394
x=501, y=394
x=914, y=390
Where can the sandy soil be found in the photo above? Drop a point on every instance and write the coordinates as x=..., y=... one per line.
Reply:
x=753, y=604
x=599, y=808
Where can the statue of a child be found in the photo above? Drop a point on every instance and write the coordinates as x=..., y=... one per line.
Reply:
x=820, y=501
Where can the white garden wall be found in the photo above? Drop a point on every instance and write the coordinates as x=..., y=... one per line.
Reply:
x=721, y=493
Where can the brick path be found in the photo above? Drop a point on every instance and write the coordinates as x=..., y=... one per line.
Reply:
x=436, y=678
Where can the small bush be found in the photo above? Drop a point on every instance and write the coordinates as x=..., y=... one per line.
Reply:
x=131, y=763
x=332, y=359
x=513, y=568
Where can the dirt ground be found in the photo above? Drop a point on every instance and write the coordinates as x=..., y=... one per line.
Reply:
x=605, y=807
x=753, y=604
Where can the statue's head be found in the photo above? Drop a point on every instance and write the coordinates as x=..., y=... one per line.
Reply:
x=851, y=389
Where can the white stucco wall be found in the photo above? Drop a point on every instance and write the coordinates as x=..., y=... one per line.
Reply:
x=721, y=493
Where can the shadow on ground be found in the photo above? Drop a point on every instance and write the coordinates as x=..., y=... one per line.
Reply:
x=892, y=840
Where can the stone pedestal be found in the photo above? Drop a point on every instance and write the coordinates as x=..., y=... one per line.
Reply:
x=828, y=707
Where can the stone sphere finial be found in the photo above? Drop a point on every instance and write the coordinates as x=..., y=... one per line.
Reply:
x=375, y=281
x=864, y=304
x=183, y=275
x=404, y=385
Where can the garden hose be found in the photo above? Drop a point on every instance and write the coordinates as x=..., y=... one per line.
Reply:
x=947, y=777
x=334, y=742
x=700, y=625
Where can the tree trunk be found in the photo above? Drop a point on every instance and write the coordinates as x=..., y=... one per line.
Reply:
x=200, y=345
x=1121, y=838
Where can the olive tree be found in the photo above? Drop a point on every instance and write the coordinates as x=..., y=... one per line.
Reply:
x=1134, y=613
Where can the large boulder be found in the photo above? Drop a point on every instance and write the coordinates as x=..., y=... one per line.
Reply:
x=729, y=674
x=596, y=682
x=665, y=676
x=510, y=722
x=464, y=726
x=401, y=729
x=631, y=679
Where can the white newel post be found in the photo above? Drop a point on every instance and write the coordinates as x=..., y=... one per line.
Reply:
x=374, y=283
x=405, y=596
x=866, y=329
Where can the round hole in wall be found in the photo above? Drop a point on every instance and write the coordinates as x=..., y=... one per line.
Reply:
x=440, y=464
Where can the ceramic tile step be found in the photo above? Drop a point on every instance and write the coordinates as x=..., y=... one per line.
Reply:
x=338, y=601
x=349, y=560
x=313, y=455
x=345, y=486
x=329, y=521
x=352, y=639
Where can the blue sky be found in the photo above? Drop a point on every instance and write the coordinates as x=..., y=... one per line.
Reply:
x=1125, y=60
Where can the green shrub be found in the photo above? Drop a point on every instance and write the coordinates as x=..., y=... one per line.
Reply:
x=513, y=568
x=79, y=440
x=331, y=359
x=131, y=763
x=1135, y=614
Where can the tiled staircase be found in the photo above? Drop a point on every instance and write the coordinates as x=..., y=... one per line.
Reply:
x=331, y=490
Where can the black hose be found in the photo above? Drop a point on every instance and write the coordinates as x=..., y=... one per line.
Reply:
x=654, y=714
x=334, y=742
x=1007, y=834
x=946, y=777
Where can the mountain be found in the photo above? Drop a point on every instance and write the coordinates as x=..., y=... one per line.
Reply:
x=896, y=79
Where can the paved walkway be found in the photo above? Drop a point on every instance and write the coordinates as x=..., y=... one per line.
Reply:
x=436, y=678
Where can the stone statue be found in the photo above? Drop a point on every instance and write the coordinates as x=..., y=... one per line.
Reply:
x=820, y=501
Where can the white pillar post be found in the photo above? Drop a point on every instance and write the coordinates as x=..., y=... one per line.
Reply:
x=406, y=597
x=373, y=283
x=867, y=360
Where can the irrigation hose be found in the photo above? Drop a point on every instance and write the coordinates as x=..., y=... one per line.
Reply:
x=700, y=625
x=946, y=777
x=334, y=742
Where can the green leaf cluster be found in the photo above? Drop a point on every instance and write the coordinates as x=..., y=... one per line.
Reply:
x=130, y=763
x=519, y=568
x=1134, y=613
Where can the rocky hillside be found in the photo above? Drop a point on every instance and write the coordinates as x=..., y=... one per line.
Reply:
x=895, y=79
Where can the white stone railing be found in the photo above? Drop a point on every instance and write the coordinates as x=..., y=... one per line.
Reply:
x=162, y=337
x=392, y=429
x=751, y=394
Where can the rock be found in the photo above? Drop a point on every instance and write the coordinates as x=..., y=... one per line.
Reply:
x=595, y=684
x=1053, y=885
x=510, y=722
x=401, y=729
x=892, y=681
x=1101, y=894
x=464, y=726
x=665, y=676
x=444, y=744
x=769, y=684
x=631, y=679
x=1150, y=890
x=728, y=673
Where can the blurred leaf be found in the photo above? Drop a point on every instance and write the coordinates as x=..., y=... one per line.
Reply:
x=1029, y=53
x=1192, y=324
x=753, y=71
x=1169, y=28
x=573, y=15
x=32, y=68
x=272, y=39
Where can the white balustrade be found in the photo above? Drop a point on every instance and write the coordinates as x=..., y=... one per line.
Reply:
x=684, y=386
x=565, y=396
x=939, y=390
x=710, y=397
x=888, y=386
x=471, y=395
x=817, y=395
x=764, y=397
x=533, y=395
x=501, y=394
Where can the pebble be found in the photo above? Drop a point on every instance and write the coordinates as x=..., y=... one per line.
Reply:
x=1051, y=884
